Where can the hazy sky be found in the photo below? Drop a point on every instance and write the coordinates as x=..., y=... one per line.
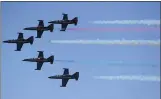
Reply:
x=21, y=81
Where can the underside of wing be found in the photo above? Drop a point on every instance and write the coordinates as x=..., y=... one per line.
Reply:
x=63, y=26
x=19, y=46
x=64, y=82
x=41, y=54
x=39, y=65
x=66, y=71
x=20, y=35
x=65, y=16
x=41, y=23
x=39, y=34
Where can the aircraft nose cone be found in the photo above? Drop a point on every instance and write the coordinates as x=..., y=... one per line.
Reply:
x=5, y=41
x=25, y=29
x=50, y=77
x=24, y=60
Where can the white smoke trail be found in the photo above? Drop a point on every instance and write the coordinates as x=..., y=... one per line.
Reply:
x=109, y=42
x=125, y=77
x=144, y=22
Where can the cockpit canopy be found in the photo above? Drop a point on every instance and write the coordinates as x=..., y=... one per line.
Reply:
x=58, y=75
x=37, y=58
x=12, y=40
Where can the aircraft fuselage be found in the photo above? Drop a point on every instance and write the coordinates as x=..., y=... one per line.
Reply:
x=17, y=41
x=61, y=77
x=39, y=28
x=37, y=60
x=62, y=22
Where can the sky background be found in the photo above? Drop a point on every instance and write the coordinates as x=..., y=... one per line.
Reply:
x=21, y=81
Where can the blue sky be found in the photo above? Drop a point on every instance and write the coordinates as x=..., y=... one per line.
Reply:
x=21, y=81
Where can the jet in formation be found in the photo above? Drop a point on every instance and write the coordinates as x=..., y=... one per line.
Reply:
x=65, y=77
x=20, y=41
x=40, y=60
x=64, y=22
x=41, y=28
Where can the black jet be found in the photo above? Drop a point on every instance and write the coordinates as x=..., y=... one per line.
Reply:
x=20, y=41
x=40, y=60
x=65, y=77
x=64, y=22
x=40, y=28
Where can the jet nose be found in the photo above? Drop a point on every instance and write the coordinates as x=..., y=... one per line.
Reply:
x=5, y=41
x=24, y=60
x=50, y=77
x=25, y=28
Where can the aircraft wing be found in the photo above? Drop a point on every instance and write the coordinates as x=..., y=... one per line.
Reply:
x=20, y=35
x=39, y=34
x=66, y=71
x=39, y=65
x=19, y=46
x=41, y=54
x=64, y=82
x=41, y=23
x=63, y=26
x=65, y=16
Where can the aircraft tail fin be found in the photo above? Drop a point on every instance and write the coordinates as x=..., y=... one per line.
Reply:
x=31, y=39
x=76, y=75
x=51, y=59
x=75, y=20
x=51, y=27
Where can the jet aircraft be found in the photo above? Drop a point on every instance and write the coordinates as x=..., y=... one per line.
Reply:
x=20, y=41
x=64, y=22
x=65, y=77
x=40, y=60
x=41, y=28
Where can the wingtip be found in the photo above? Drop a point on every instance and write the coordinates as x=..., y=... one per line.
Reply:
x=65, y=68
x=62, y=30
x=40, y=20
x=40, y=51
x=17, y=50
x=38, y=69
x=19, y=33
x=37, y=37
x=64, y=13
x=62, y=86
